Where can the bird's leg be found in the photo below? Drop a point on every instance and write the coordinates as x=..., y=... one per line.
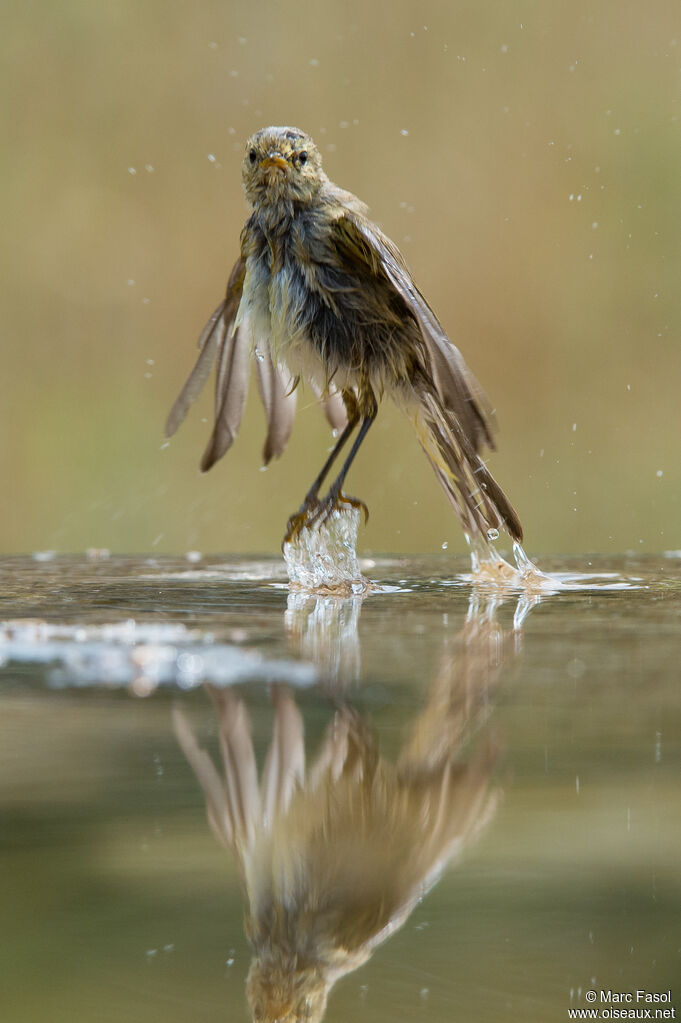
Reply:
x=335, y=497
x=311, y=502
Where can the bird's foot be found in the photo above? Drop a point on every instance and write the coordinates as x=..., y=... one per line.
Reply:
x=300, y=519
x=315, y=512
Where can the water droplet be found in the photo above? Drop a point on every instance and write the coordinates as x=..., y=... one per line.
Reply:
x=492, y=534
x=445, y=545
x=259, y=355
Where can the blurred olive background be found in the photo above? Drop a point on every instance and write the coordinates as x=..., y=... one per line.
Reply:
x=526, y=158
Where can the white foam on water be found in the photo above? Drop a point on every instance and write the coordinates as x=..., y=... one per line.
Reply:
x=142, y=656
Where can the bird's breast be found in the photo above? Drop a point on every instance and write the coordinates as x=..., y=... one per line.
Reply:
x=276, y=305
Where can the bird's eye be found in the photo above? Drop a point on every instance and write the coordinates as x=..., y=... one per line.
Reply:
x=252, y=156
x=302, y=157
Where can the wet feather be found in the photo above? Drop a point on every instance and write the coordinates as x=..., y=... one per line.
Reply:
x=230, y=394
x=209, y=345
x=278, y=396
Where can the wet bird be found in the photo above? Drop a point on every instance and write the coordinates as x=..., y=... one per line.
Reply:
x=320, y=294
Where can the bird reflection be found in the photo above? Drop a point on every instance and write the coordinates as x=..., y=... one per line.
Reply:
x=335, y=852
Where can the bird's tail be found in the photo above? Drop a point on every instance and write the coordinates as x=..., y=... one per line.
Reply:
x=475, y=495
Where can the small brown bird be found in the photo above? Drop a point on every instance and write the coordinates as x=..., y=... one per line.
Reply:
x=320, y=293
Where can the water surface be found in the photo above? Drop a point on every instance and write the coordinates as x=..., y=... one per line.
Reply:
x=553, y=747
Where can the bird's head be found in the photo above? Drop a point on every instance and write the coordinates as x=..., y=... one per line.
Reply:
x=281, y=164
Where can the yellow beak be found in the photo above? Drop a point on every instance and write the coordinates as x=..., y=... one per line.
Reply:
x=274, y=160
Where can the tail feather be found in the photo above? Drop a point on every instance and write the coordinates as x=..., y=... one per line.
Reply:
x=475, y=495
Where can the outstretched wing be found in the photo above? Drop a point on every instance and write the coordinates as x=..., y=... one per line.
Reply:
x=228, y=343
x=218, y=331
x=457, y=388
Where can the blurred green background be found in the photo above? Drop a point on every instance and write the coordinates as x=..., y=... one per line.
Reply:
x=525, y=157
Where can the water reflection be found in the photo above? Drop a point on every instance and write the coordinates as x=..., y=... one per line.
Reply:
x=324, y=630
x=337, y=850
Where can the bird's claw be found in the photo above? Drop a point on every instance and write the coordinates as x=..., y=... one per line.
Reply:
x=300, y=519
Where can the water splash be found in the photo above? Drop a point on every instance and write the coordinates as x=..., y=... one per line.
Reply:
x=488, y=568
x=322, y=558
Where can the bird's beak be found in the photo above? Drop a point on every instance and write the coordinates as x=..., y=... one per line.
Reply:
x=274, y=160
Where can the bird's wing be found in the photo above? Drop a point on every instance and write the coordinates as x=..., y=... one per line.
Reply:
x=215, y=336
x=225, y=339
x=277, y=390
x=458, y=389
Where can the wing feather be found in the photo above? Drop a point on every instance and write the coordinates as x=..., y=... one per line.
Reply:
x=278, y=395
x=208, y=343
x=217, y=342
x=457, y=387
x=230, y=393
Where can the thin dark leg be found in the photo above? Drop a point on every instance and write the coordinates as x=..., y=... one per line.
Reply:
x=340, y=478
x=311, y=502
x=315, y=510
x=337, y=448
x=335, y=497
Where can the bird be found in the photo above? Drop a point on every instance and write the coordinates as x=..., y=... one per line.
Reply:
x=320, y=294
